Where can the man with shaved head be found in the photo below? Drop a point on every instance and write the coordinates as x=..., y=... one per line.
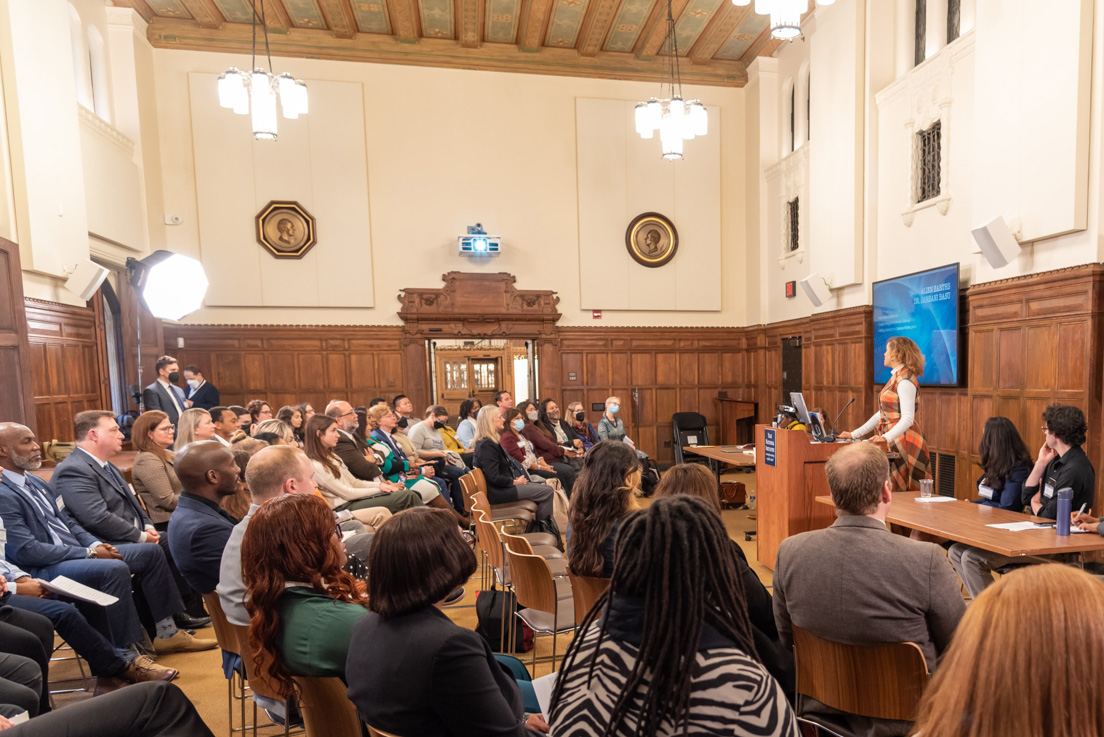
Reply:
x=42, y=542
x=199, y=526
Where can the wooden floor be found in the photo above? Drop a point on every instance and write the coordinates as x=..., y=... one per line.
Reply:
x=201, y=673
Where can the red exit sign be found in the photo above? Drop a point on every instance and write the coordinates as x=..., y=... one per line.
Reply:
x=791, y=289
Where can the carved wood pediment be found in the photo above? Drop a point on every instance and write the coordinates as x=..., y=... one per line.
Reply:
x=478, y=304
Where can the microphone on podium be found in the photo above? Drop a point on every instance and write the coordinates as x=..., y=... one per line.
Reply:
x=831, y=437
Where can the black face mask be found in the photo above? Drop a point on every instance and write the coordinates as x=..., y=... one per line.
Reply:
x=402, y=422
x=438, y=425
x=580, y=416
x=174, y=377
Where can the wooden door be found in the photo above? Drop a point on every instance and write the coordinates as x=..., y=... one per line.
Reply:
x=16, y=397
x=453, y=381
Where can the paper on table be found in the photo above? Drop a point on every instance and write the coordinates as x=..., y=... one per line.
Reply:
x=934, y=499
x=543, y=687
x=1021, y=526
x=72, y=589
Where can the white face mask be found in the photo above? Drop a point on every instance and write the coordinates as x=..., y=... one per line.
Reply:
x=194, y=383
x=533, y=416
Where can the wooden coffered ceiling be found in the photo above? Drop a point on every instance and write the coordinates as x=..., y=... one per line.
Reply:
x=607, y=39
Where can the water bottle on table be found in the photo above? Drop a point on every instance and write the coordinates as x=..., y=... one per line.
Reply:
x=1065, y=509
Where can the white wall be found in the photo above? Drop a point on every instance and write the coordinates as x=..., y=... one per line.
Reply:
x=444, y=149
x=1023, y=141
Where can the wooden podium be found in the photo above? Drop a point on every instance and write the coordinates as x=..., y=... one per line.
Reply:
x=737, y=420
x=788, y=481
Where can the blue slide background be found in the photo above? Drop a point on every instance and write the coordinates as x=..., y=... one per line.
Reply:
x=923, y=307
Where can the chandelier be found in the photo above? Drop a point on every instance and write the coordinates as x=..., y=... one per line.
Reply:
x=785, y=15
x=256, y=93
x=675, y=119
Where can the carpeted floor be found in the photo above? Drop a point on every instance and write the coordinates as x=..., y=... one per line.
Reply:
x=201, y=673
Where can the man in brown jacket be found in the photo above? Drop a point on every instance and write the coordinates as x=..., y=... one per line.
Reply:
x=858, y=583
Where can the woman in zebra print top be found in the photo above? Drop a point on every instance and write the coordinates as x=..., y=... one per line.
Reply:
x=668, y=649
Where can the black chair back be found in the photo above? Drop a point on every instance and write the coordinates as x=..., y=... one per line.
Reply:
x=689, y=429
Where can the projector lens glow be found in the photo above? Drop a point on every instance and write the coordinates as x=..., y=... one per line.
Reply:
x=480, y=244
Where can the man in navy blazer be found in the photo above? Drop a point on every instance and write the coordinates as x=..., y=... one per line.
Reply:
x=97, y=496
x=164, y=394
x=200, y=392
x=45, y=542
x=199, y=527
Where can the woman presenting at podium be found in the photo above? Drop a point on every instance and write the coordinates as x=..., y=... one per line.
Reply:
x=895, y=422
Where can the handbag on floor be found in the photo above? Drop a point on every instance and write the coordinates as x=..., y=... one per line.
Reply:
x=488, y=610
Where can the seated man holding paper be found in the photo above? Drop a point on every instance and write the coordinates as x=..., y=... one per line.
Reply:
x=43, y=540
x=1061, y=464
x=26, y=594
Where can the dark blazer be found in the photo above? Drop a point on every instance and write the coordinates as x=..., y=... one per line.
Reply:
x=350, y=449
x=198, y=531
x=154, y=396
x=105, y=506
x=451, y=683
x=205, y=397
x=1007, y=497
x=544, y=446
x=30, y=544
x=571, y=435
x=491, y=459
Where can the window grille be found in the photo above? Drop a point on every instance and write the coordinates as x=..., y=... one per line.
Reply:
x=793, y=130
x=794, y=222
x=928, y=142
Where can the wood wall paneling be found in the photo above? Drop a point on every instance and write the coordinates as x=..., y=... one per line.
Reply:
x=16, y=392
x=68, y=369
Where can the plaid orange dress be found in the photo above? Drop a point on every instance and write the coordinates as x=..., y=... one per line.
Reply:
x=913, y=463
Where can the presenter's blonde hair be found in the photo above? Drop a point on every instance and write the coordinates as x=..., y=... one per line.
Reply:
x=1055, y=665
x=905, y=352
x=485, y=423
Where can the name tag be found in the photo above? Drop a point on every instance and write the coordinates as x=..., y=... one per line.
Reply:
x=985, y=491
x=60, y=503
x=1048, y=491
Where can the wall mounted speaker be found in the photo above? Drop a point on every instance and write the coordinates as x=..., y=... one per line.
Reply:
x=816, y=289
x=997, y=243
x=86, y=279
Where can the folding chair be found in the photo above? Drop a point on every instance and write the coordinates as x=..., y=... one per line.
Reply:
x=689, y=430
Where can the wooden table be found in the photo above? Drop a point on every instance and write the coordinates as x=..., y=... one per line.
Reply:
x=965, y=522
x=724, y=453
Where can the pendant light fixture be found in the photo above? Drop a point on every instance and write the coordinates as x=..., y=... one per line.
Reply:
x=785, y=15
x=675, y=119
x=257, y=93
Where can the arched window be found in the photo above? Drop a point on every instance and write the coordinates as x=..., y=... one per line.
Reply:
x=954, y=19
x=97, y=59
x=920, y=50
x=793, y=119
x=82, y=72
x=808, y=106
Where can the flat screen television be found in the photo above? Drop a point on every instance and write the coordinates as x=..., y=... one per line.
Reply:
x=922, y=306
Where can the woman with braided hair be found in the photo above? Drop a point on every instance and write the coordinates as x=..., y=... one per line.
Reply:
x=668, y=649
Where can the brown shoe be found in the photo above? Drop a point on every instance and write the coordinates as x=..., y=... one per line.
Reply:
x=182, y=642
x=107, y=685
x=143, y=669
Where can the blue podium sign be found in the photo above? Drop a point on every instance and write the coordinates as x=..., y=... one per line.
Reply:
x=768, y=446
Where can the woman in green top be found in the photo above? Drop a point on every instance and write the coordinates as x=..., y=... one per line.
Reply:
x=302, y=605
x=393, y=463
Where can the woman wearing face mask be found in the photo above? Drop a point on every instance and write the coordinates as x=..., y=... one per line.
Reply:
x=546, y=448
x=394, y=462
x=504, y=484
x=583, y=430
x=610, y=427
x=465, y=431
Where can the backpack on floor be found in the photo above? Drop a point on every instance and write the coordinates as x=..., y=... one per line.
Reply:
x=488, y=610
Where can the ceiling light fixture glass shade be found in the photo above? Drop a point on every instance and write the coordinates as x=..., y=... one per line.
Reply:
x=675, y=119
x=256, y=94
x=785, y=15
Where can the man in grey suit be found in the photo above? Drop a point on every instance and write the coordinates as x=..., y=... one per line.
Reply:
x=858, y=583
x=96, y=494
x=164, y=394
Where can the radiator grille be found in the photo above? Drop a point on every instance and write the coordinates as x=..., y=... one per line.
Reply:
x=944, y=471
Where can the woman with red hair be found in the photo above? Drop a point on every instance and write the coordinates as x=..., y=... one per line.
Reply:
x=302, y=605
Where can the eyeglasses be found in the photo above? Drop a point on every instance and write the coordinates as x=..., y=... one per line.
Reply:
x=1045, y=429
x=347, y=414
